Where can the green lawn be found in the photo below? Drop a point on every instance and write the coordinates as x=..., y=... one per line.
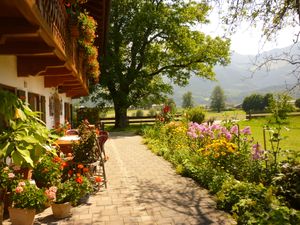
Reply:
x=291, y=131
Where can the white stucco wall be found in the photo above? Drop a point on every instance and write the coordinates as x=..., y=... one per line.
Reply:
x=34, y=84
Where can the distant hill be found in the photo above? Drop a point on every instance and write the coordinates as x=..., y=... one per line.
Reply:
x=237, y=80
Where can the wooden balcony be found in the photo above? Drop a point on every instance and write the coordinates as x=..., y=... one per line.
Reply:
x=38, y=33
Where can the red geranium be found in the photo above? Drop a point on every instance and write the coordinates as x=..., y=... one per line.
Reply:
x=98, y=179
x=79, y=180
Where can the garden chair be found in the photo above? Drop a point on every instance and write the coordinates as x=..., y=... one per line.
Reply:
x=101, y=139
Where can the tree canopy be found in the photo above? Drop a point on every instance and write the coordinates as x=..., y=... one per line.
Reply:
x=149, y=41
x=217, y=99
x=187, y=100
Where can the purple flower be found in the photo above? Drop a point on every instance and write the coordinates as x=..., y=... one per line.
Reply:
x=228, y=136
x=234, y=129
x=246, y=131
x=257, y=153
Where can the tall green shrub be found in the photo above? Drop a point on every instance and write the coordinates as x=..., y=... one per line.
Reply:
x=196, y=115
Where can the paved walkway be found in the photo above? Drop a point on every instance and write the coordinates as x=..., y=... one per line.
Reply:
x=142, y=189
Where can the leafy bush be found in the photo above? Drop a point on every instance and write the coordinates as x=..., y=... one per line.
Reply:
x=288, y=183
x=196, y=115
x=139, y=113
x=48, y=171
x=152, y=112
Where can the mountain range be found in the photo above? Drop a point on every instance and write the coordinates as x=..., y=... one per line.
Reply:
x=239, y=79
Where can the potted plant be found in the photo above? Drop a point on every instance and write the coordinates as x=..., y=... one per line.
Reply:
x=26, y=199
x=48, y=171
x=68, y=193
x=24, y=138
x=86, y=150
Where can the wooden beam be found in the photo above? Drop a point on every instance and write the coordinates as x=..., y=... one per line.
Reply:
x=35, y=65
x=56, y=71
x=22, y=47
x=16, y=26
x=54, y=81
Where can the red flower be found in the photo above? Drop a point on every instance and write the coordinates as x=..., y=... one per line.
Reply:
x=166, y=109
x=85, y=170
x=64, y=164
x=98, y=179
x=79, y=180
x=80, y=166
x=56, y=159
x=70, y=172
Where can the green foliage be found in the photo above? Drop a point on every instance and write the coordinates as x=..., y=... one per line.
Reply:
x=253, y=103
x=217, y=99
x=151, y=40
x=27, y=195
x=139, y=113
x=25, y=138
x=287, y=182
x=196, y=115
x=73, y=190
x=297, y=103
x=152, y=112
x=235, y=173
x=187, y=100
x=280, y=106
x=48, y=171
x=86, y=150
x=92, y=114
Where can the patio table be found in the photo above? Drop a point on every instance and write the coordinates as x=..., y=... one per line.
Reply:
x=65, y=143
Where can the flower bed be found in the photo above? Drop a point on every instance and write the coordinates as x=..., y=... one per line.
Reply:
x=226, y=160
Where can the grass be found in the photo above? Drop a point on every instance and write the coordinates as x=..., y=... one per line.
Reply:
x=291, y=132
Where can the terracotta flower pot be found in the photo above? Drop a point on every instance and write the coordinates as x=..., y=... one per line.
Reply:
x=62, y=210
x=21, y=216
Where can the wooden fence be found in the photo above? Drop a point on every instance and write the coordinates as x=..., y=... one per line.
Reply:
x=133, y=120
x=253, y=116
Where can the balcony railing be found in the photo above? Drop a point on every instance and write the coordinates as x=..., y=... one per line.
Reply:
x=54, y=13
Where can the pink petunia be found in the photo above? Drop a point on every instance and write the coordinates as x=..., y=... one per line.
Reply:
x=11, y=175
x=234, y=129
x=19, y=189
x=246, y=131
x=21, y=184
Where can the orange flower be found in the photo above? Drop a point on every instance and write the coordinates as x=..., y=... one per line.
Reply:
x=64, y=164
x=56, y=159
x=79, y=180
x=98, y=179
x=78, y=174
x=85, y=170
x=80, y=166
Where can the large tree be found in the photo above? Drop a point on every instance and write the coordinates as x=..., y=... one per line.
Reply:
x=217, y=99
x=152, y=39
x=187, y=100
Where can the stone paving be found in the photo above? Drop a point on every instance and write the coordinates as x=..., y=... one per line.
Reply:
x=143, y=189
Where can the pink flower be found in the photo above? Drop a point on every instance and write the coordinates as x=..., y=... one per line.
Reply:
x=11, y=175
x=51, y=195
x=234, y=129
x=21, y=184
x=19, y=189
x=246, y=131
x=53, y=189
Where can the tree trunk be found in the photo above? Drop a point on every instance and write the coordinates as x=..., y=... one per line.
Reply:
x=121, y=120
